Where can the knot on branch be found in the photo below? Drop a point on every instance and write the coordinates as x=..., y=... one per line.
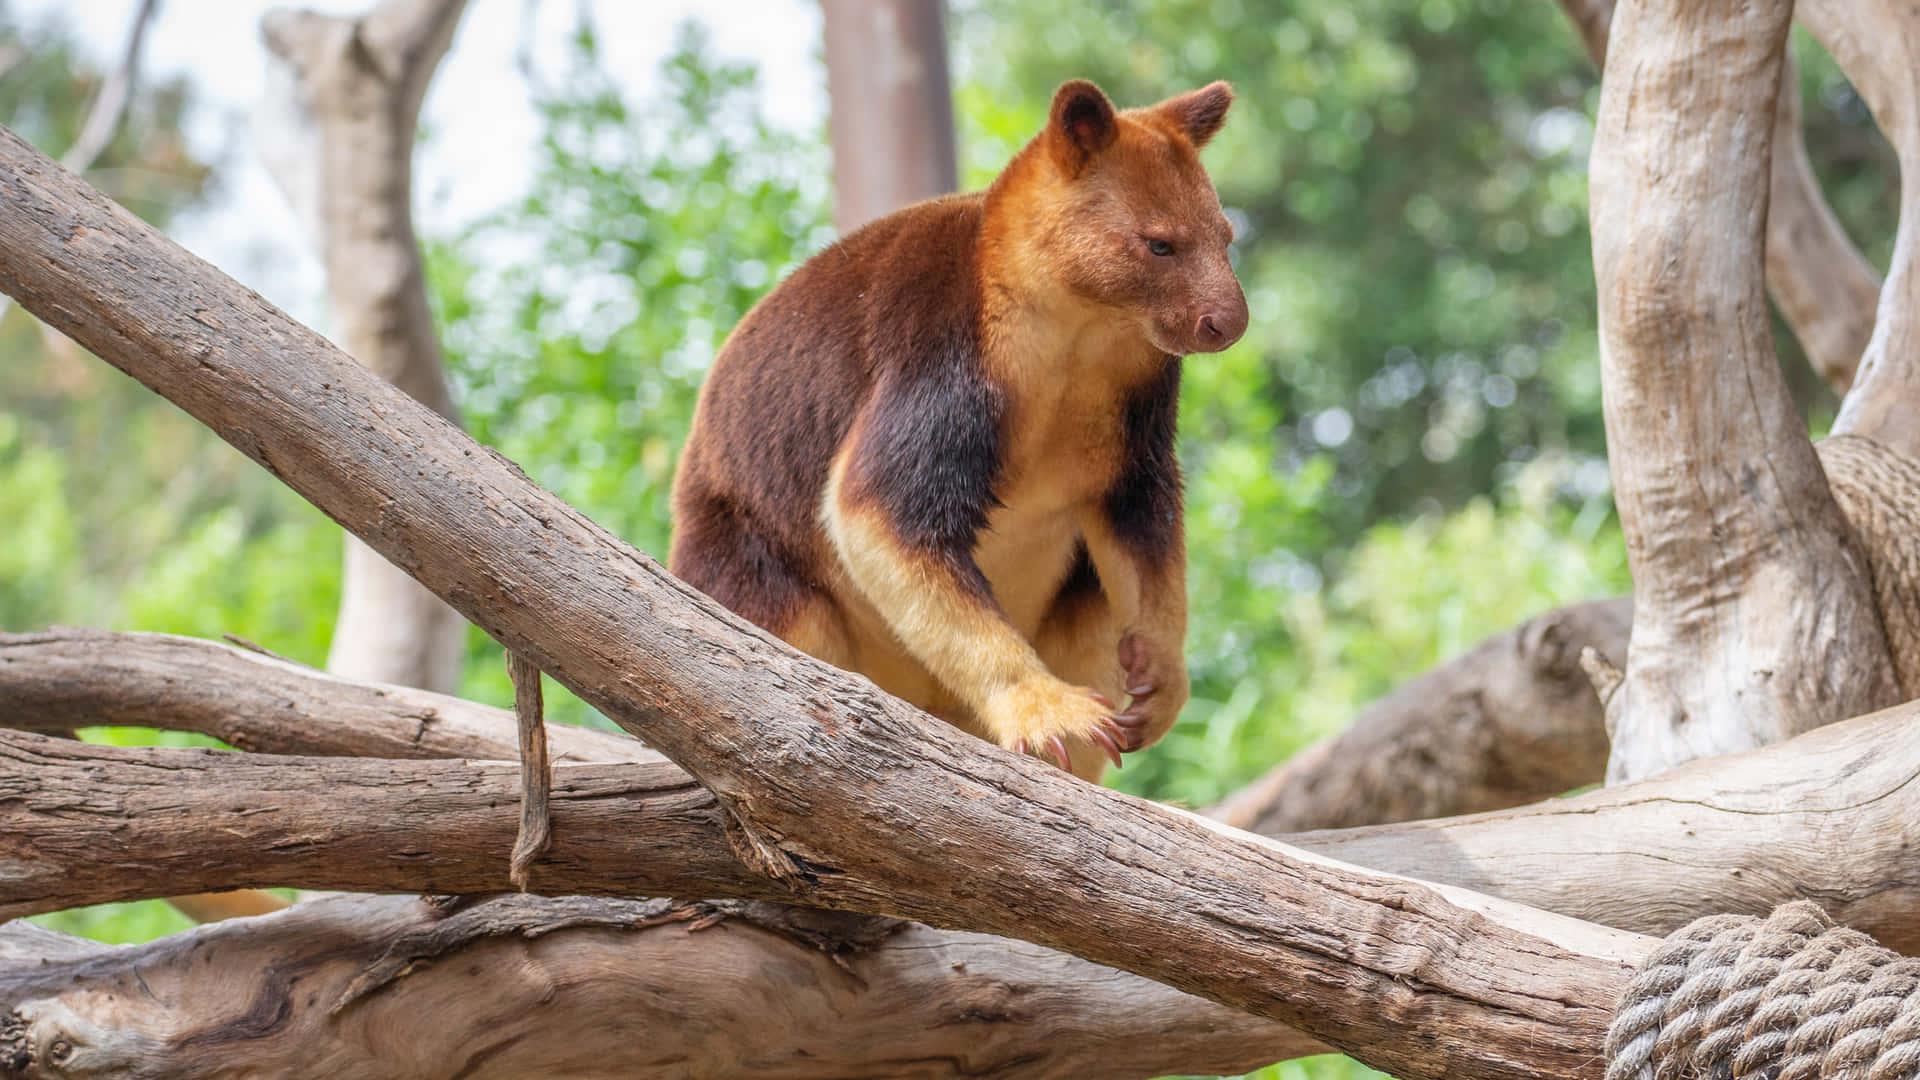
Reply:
x=1787, y=997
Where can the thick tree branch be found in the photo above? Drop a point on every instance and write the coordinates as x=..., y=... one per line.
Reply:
x=63, y=679
x=359, y=84
x=526, y=986
x=847, y=797
x=1825, y=288
x=1510, y=721
x=1754, y=616
x=1740, y=834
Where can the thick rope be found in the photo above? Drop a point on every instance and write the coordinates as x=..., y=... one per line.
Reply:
x=1788, y=997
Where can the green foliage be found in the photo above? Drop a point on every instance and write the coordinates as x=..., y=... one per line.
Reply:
x=1408, y=180
x=579, y=322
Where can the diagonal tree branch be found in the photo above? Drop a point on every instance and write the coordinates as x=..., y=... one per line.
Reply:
x=1509, y=721
x=1754, y=616
x=847, y=797
x=1876, y=43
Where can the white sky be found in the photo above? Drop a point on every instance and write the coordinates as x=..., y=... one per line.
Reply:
x=479, y=156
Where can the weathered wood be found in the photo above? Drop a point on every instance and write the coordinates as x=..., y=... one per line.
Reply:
x=1754, y=615
x=1510, y=721
x=848, y=798
x=1739, y=834
x=525, y=986
x=359, y=82
x=1825, y=288
x=1874, y=42
x=65, y=678
x=82, y=824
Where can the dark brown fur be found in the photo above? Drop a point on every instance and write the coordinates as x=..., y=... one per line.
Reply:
x=941, y=452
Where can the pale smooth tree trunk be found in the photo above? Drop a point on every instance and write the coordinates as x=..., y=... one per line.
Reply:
x=891, y=106
x=359, y=82
x=1754, y=611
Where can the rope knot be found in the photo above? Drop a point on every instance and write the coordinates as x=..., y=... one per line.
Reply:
x=1787, y=997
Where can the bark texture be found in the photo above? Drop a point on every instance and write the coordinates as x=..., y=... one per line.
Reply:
x=845, y=797
x=63, y=679
x=1754, y=613
x=1875, y=43
x=1826, y=289
x=890, y=106
x=515, y=987
x=1510, y=721
x=1742, y=835
x=360, y=82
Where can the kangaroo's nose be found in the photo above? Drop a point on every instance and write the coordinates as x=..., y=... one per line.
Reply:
x=1219, y=329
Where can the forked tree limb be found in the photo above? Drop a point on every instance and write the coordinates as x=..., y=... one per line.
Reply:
x=1825, y=287
x=521, y=986
x=358, y=84
x=1754, y=613
x=848, y=798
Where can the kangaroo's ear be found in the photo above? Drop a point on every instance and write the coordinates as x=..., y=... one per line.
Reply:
x=1198, y=113
x=1080, y=125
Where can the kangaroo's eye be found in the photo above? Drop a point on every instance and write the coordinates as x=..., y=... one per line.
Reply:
x=1160, y=248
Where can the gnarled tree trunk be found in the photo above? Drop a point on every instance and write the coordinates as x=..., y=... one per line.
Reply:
x=1754, y=613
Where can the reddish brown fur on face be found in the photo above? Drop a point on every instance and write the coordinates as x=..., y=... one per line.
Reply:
x=972, y=392
x=1092, y=218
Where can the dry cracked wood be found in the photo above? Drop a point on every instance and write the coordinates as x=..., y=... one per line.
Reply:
x=359, y=82
x=848, y=798
x=526, y=986
x=1754, y=613
x=1740, y=834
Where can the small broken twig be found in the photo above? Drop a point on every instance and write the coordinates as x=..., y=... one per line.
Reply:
x=536, y=773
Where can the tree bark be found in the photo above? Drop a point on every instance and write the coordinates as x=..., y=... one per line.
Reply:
x=1743, y=834
x=1825, y=288
x=1754, y=615
x=846, y=797
x=58, y=680
x=1874, y=42
x=891, y=109
x=517, y=986
x=360, y=81
x=1512, y=720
